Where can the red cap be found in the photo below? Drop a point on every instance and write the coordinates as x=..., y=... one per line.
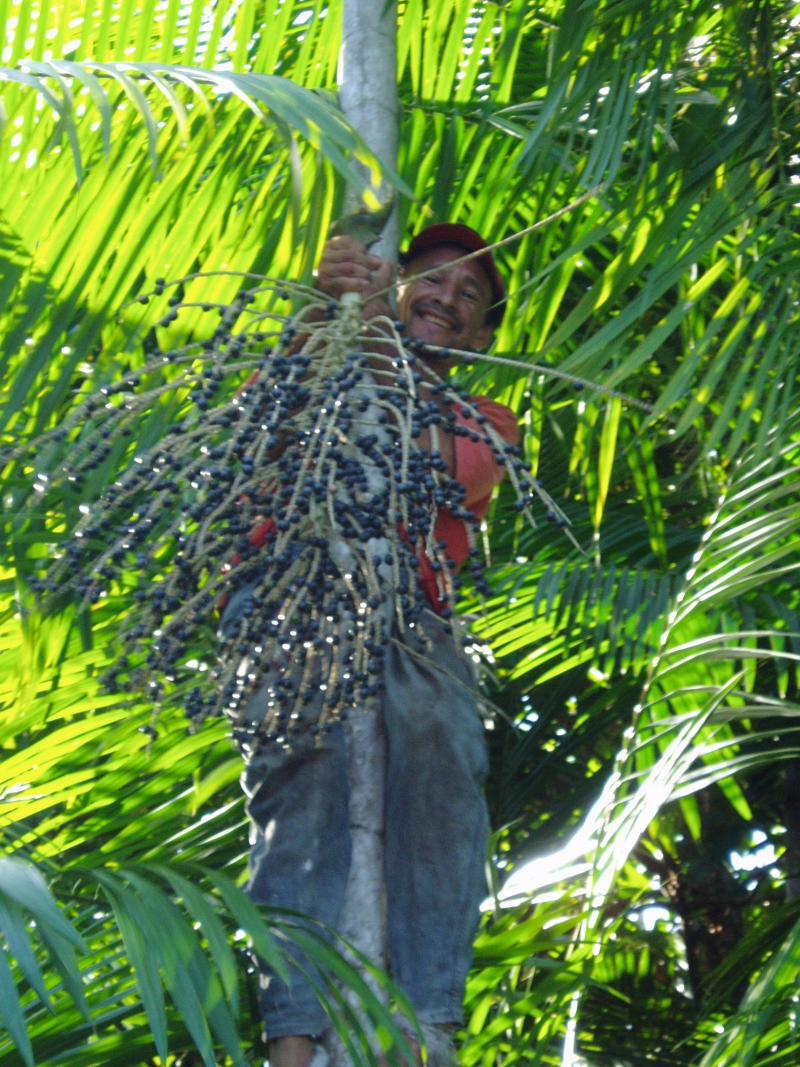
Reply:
x=452, y=233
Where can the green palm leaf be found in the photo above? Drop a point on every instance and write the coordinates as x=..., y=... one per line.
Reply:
x=662, y=662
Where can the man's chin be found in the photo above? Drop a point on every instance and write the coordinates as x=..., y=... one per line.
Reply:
x=432, y=335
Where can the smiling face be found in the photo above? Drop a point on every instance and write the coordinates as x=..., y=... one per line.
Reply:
x=448, y=308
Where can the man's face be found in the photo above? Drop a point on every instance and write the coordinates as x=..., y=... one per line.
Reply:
x=448, y=308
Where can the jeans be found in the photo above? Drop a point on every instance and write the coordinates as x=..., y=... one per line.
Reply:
x=436, y=831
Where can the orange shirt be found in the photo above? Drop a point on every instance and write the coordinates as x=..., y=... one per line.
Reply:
x=475, y=469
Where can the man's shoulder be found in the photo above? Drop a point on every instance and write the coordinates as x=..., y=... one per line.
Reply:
x=501, y=418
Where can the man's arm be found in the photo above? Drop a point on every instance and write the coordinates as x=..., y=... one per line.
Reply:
x=347, y=267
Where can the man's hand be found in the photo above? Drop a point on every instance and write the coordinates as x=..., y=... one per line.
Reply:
x=346, y=267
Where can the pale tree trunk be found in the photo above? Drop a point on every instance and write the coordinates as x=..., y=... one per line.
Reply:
x=368, y=93
x=368, y=89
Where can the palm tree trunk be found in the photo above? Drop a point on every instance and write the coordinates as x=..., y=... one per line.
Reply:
x=369, y=101
x=368, y=89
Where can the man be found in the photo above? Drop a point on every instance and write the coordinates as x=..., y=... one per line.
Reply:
x=436, y=823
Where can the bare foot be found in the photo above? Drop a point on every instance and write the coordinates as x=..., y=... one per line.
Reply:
x=291, y=1052
x=439, y=1042
x=400, y=1059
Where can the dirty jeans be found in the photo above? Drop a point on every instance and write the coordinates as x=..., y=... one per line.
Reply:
x=436, y=831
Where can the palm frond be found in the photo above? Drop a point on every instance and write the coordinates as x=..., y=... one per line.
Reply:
x=674, y=284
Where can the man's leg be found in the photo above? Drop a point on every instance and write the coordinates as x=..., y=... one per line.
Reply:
x=291, y=1052
x=436, y=822
x=300, y=855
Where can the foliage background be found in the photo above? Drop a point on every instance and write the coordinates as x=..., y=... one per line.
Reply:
x=649, y=688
